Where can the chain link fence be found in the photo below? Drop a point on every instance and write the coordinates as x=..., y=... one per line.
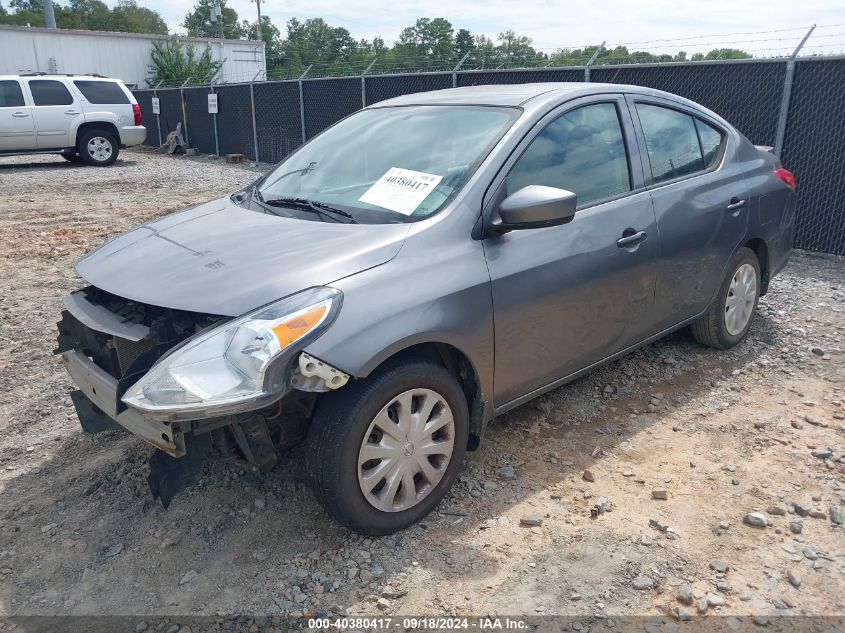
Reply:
x=794, y=105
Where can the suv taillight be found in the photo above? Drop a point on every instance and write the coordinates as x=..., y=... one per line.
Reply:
x=136, y=110
x=786, y=176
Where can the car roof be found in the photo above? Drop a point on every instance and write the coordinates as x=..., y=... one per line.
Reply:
x=514, y=94
x=535, y=96
x=57, y=76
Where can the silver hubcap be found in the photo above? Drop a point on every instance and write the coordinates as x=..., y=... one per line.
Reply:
x=406, y=450
x=740, y=300
x=100, y=148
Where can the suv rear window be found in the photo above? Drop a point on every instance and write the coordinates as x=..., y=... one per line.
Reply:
x=101, y=92
x=46, y=92
x=11, y=95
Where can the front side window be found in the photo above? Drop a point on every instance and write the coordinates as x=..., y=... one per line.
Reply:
x=377, y=164
x=671, y=141
x=582, y=151
x=48, y=93
x=107, y=92
x=11, y=95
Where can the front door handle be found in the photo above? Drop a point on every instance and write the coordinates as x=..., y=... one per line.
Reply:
x=735, y=204
x=631, y=240
x=20, y=115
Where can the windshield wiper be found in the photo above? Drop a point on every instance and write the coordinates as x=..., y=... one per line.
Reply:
x=320, y=208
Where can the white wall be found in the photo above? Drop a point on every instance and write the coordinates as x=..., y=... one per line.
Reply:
x=125, y=56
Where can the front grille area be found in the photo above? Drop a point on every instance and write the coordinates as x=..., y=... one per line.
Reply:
x=124, y=359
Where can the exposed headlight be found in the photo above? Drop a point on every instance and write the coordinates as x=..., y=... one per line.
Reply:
x=237, y=366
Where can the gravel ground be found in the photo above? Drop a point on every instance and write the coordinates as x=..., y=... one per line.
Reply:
x=677, y=447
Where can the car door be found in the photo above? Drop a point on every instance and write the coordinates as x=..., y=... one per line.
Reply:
x=700, y=201
x=565, y=297
x=16, y=128
x=55, y=111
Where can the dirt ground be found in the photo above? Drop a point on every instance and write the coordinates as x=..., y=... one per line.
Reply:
x=720, y=434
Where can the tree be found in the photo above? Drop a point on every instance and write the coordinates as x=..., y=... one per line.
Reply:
x=2, y=10
x=91, y=15
x=427, y=43
x=727, y=53
x=271, y=37
x=174, y=63
x=464, y=43
x=198, y=22
x=128, y=17
x=516, y=50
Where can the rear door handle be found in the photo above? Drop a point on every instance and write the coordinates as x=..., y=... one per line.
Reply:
x=71, y=112
x=20, y=115
x=630, y=240
x=735, y=204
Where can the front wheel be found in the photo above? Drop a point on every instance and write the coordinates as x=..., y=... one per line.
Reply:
x=384, y=451
x=729, y=318
x=98, y=148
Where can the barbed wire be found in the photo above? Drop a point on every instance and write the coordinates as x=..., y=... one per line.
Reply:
x=689, y=49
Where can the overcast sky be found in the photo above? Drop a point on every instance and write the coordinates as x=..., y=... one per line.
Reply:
x=558, y=24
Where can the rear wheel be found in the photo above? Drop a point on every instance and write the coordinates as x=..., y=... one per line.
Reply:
x=728, y=320
x=382, y=452
x=98, y=147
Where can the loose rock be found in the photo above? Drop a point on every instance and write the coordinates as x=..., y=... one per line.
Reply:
x=755, y=519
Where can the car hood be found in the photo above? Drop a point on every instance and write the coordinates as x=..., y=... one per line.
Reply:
x=219, y=258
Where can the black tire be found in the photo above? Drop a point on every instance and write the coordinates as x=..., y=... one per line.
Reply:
x=337, y=432
x=71, y=157
x=92, y=158
x=711, y=329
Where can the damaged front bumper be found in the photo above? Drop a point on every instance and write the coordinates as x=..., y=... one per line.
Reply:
x=101, y=390
x=108, y=343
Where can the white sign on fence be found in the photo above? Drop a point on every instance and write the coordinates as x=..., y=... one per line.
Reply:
x=212, y=103
x=156, y=106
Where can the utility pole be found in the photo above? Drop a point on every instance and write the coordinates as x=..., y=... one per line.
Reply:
x=258, y=4
x=49, y=16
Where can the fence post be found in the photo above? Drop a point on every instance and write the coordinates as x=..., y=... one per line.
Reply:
x=158, y=116
x=787, y=93
x=457, y=68
x=184, y=111
x=364, y=83
x=302, y=103
x=216, y=139
x=254, y=126
x=592, y=60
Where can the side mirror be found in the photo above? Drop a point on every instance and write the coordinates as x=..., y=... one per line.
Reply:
x=536, y=206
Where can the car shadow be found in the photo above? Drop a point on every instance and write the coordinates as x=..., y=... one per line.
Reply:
x=81, y=533
x=59, y=163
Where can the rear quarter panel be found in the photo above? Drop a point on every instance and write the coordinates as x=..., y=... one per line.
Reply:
x=772, y=216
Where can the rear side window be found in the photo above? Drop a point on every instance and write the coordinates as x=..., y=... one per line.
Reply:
x=671, y=141
x=582, y=151
x=101, y=92
x=46, y=93
x=11, y=95
x=711, y=142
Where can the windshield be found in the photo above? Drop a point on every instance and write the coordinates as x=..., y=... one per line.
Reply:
x=389, y=164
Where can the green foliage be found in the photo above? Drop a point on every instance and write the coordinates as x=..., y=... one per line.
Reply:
x=173, y=63
x=198, y=22
x=89, y=15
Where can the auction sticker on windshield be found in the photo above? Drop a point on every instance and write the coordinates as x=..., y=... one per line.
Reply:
x=401, y=190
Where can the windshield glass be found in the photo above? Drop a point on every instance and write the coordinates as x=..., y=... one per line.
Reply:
x=389, y=164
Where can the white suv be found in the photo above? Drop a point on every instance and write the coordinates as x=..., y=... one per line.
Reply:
x=81, y=117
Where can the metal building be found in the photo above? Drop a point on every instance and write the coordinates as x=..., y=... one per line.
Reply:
x=125, y=56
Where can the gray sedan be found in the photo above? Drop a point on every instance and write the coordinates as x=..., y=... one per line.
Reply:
x=416, y=270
